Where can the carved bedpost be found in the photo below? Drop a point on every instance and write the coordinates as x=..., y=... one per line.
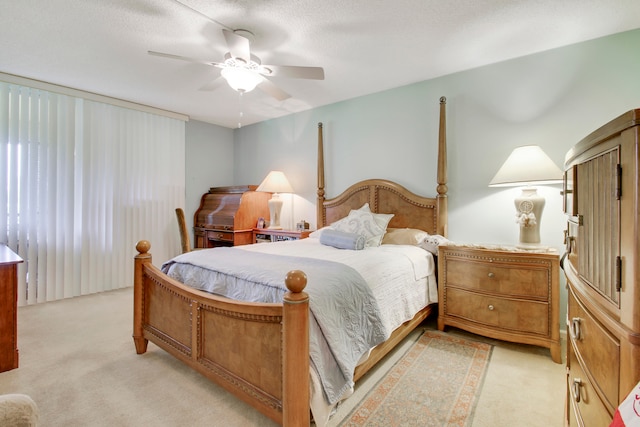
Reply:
x=143, y=257
x=442, y=171
x=295, y=393
x=320, y=207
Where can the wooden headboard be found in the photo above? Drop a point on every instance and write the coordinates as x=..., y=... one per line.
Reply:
x=410, y=210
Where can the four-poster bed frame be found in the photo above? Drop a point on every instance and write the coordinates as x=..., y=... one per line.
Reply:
x=260, y=351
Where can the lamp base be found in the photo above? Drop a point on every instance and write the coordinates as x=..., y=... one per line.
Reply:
x=275, y=207
x=529, y=207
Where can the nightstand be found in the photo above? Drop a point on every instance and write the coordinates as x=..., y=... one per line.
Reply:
x=264, y=235
x=501, y=293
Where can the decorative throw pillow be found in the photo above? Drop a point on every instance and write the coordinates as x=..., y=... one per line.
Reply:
x=381, y=219
x=364, y=223
x=432, y=241
x=342, y=239
x=404, y=236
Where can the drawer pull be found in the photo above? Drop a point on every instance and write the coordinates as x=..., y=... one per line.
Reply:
x=490, y=307
x=575, y=389
x=574, y=328
x=491, y=275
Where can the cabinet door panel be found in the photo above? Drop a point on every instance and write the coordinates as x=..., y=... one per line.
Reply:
x=599, y=231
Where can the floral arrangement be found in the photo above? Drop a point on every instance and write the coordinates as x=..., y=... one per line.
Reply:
x=526, y=219
x=525, y=216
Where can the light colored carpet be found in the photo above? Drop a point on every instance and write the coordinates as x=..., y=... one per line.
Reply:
x=78, y=363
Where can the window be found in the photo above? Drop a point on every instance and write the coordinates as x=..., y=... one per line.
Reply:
x=81, y=182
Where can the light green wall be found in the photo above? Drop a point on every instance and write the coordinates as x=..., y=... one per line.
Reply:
x=551, y=99
x=209, y=160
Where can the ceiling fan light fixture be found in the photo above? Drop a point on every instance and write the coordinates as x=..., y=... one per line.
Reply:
x=243, y=71
x=241, y=79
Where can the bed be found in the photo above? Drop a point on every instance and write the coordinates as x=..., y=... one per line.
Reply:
x=260, y=351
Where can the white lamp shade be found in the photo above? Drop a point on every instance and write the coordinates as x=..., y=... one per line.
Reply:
x=527, y=165
x=241, y=79
x=275, y=182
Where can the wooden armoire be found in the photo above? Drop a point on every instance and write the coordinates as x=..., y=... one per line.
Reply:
x=601, y=201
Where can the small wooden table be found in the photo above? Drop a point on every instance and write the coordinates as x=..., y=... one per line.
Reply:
x=9, y=261
x=262, y=235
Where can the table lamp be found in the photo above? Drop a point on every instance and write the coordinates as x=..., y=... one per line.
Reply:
x=527, y=166
x=275, y=183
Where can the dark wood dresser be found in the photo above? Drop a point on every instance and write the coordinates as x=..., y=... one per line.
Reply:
x=228, y=215
x=601, y=199
x=8, y=308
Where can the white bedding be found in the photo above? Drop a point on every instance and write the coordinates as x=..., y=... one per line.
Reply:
x=400, y=292
x=401, y=278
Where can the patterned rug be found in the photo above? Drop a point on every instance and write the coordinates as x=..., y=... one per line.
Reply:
x=436, y=383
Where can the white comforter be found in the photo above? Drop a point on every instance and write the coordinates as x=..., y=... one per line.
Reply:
x=401, y=279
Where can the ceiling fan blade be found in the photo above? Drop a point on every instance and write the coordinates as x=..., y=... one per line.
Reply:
x=183, y=58
x=273, y=90
x=315, y=73
x=213, y=84
x=238, y=45
x=199, y=13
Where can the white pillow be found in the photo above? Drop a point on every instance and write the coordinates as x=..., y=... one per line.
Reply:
x=432, y=241
x=364, y=223
x=365, y=207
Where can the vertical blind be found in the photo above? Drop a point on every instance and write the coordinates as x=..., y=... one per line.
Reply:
x=80, y=183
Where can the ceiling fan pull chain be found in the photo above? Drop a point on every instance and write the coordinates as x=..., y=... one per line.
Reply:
x=240, y=108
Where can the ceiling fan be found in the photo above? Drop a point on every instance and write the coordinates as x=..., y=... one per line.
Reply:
x=243, y=71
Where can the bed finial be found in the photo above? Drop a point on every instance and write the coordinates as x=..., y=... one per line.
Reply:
x=143, y=246
x=296, y=281
x=443, y=100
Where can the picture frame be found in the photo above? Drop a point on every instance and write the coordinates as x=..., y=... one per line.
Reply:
x=261, y=223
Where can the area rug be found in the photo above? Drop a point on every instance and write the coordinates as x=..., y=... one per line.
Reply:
x=436, y=383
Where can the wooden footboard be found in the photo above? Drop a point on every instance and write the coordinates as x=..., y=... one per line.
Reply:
x=258, y=352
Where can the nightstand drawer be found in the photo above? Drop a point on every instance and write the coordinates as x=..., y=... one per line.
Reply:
x=500, y=312
x=499, y=277
x=599, y=350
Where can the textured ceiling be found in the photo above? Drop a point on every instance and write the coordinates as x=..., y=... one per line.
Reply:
x=364, y=46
